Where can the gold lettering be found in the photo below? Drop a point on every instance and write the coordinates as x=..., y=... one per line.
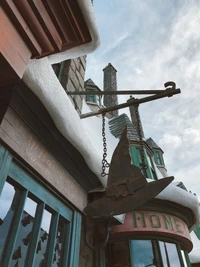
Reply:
x=31, y=142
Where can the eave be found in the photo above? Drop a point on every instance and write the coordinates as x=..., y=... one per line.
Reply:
x=34, y=29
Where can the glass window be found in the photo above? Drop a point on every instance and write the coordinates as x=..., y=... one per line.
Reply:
x=24, y=233
x=142, y=253
x=9, y=199
x=156, y=253
x=36, y=227
x=93, y=98
x=158, y=158
x=43, y=239
x=169, y=254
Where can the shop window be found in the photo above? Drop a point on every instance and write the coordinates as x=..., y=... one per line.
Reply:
x=156, y=253
x=142, y=253
x=169, y=254
x=36, y=227
x=145, y=253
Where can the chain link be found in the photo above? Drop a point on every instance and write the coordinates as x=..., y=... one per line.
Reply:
x=143, y=165
x=105, y=163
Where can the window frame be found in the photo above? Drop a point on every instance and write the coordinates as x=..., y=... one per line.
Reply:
x=29, y=184
x=156, y=240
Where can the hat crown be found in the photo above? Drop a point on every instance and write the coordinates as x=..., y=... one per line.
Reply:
x=122, y=174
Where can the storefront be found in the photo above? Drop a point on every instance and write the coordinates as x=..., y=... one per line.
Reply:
x=150, y=238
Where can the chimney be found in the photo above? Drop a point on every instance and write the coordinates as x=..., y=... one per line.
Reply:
x=110, y=84
x=132, y=110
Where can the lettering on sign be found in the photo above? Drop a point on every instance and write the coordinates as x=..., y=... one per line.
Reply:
x=152, y=220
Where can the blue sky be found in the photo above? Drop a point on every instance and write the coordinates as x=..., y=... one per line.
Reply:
x=149, y=43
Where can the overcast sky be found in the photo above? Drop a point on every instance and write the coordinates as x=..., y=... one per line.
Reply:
x=149, y=43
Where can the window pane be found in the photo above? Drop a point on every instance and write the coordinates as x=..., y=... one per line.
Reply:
x=42, y=243
x=60, y=240
x=169, y=255
x=142, y=253
x=9, y=200
x=24, y=234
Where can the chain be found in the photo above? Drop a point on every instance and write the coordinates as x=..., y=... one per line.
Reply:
x=105, y=164
x=143, y=165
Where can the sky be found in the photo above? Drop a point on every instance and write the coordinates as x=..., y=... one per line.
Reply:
x=149, y=43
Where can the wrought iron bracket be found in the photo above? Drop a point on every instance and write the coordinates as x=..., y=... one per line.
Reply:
x=168, y=92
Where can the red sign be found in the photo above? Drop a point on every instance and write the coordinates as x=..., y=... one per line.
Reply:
x=156, y=224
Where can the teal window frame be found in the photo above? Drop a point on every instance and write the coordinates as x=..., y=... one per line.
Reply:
x=136, y=159
x=158, y=158
x=197, y=231
x=93, y=98
x=11, y=170
x=159, y=255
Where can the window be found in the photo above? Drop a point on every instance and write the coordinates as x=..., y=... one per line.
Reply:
x=158, y=158
x=145, y=253
x=157, y=253
x=93, y=98
x=36, y=227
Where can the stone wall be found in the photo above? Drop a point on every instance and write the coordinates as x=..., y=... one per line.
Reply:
x=72, y=79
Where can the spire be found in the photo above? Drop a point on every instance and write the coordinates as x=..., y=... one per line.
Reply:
x=110, y=84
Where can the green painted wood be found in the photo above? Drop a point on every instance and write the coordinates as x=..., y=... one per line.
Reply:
x=75, y=241
x=25, y=179
x=180, y=255
x=52, y=240
x=148, y=172
x=30, y=257
x=187, y=259
x=102, y=258
x=5, y=161
x=67, y=246
x=197, y=231
x=14, y=231
x=134, y=156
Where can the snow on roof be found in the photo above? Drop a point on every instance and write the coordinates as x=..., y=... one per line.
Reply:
x=177, y=195
x=194, y=255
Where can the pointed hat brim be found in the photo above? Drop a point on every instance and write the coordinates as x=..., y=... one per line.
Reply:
x=107, y=206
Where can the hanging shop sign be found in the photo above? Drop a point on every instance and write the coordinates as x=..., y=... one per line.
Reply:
x=143, y=223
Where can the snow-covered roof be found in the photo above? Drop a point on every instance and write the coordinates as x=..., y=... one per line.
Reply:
x=194, y=255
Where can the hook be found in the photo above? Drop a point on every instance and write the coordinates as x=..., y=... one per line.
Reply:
x=104, y=242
